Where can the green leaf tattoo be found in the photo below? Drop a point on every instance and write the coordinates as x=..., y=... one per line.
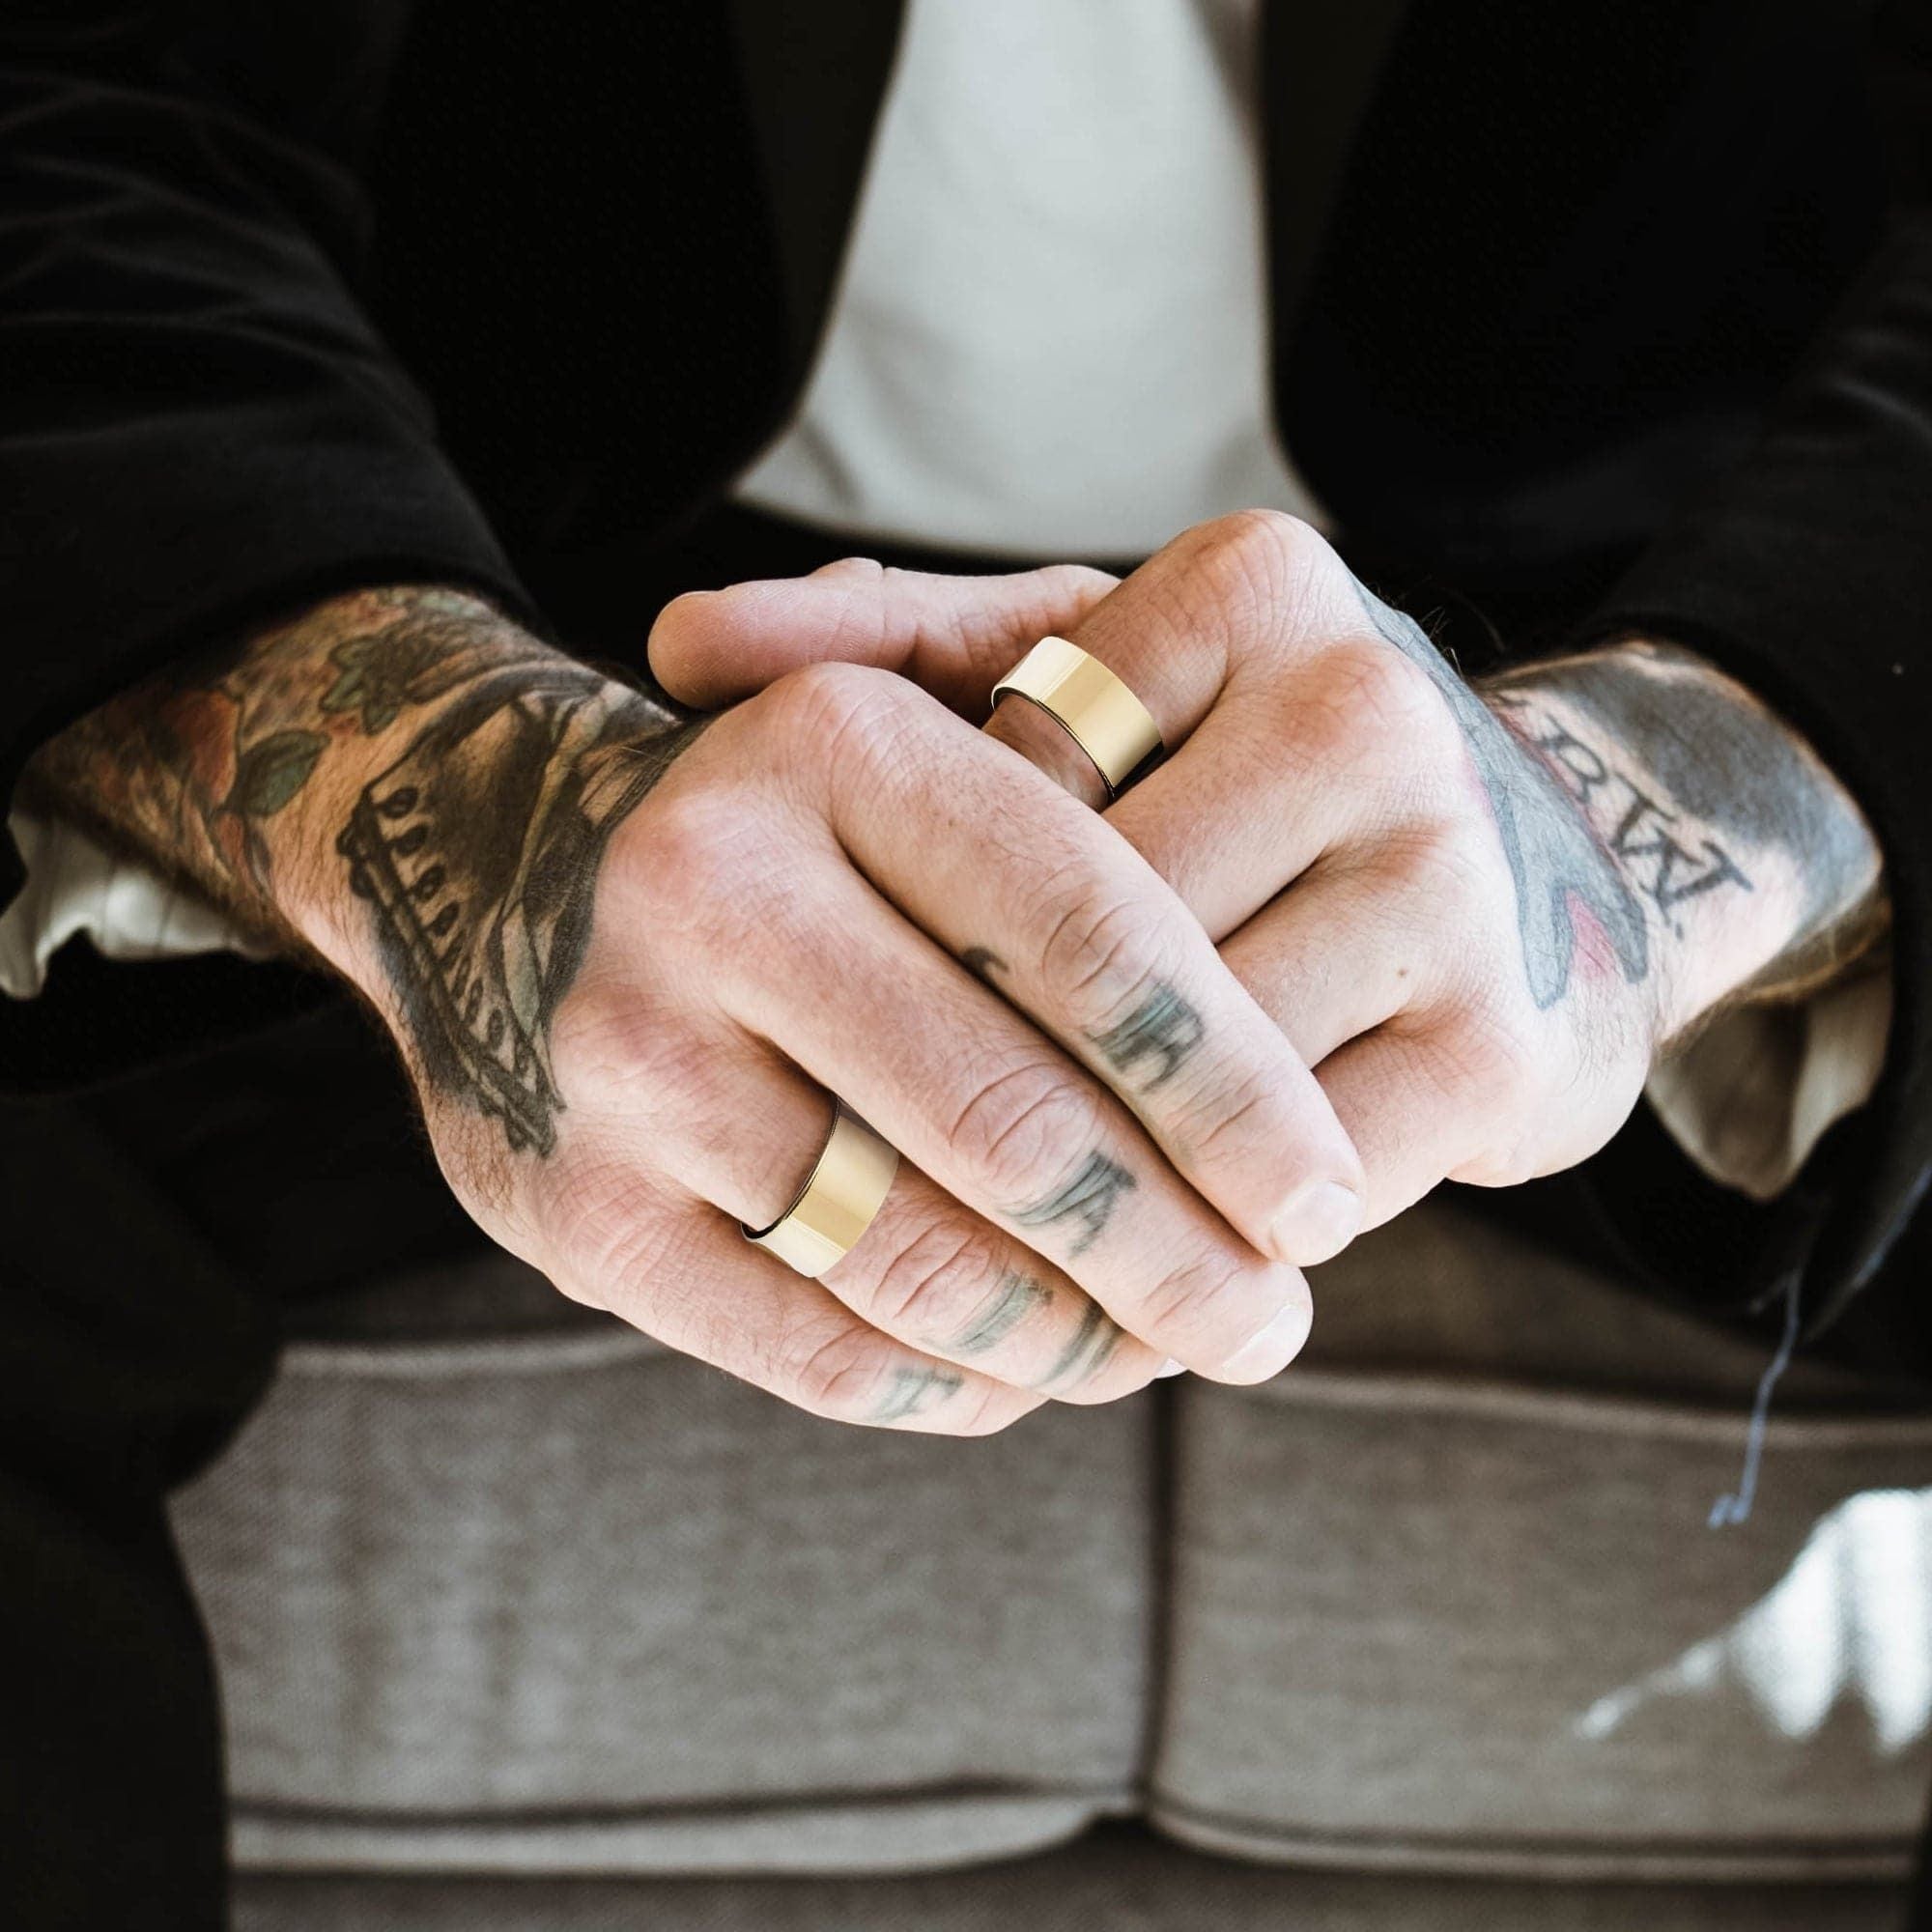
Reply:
x=271, y=771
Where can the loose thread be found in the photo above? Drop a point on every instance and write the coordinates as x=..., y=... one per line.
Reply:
x=1735, y=1507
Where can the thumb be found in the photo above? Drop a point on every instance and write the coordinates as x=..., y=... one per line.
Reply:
x=956, y=637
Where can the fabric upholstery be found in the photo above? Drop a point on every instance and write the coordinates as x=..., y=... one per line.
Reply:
x=496, y=1585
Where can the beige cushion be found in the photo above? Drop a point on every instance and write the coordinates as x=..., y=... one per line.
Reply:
x=1446, y=1597
x=562, y=1600
x=496, y=1585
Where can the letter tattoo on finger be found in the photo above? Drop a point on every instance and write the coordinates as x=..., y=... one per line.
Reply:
x=1089, y=1198
x=1163, y=1028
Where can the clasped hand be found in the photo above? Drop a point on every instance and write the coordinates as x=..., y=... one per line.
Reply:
x=1088, y=1026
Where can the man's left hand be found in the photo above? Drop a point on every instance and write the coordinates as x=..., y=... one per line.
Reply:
x=1480, y=913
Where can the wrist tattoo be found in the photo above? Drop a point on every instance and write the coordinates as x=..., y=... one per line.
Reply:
x=1667, y=868
x=478, y=851
x=188, y=769
x=476, y=847
x=1726, y=791
x=1678, y=800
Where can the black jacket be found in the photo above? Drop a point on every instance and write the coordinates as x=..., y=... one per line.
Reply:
x=1621, y=308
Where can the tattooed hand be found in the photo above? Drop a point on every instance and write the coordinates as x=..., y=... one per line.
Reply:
x=626, y=958
x=1479, y=914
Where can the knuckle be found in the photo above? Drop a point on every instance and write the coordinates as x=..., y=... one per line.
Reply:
x=1021, y=1131
x=1379, y=689
x=704, y=843
x=1433, y=863
x=1094, y=956
x=833, y=704
x=1254, y=561
x=1241, y=1108
x=607, y=1237
x=832, y=1367
x=1488, y=1058
x=1270, y=538
x=1194, y=1301
x=932, y=1287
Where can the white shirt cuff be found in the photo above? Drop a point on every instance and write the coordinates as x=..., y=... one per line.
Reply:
x=75, y=884
x=1750, y=1096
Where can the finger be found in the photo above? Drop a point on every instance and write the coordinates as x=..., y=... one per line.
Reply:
x=1206, y=615
x=926, y=1271
x=1078, y=933
x=1348, y=749
x=1417, y=1108
x=1002, y=1120
x=953, y=636
x=1348, y=947
x=700, y=1288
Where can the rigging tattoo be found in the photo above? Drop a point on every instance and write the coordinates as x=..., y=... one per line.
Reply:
x=478, y=851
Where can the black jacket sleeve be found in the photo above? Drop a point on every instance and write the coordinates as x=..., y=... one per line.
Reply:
x=198, y=424
x=1807, y=574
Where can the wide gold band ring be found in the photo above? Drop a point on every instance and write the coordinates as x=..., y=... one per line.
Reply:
x=1090, y=704
x=839, y=1200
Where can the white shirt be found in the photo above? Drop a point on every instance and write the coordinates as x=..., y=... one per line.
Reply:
x=1050, y=339
x=1051, y=336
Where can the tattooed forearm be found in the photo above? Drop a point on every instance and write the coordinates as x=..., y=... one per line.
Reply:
x=190, y=770
x=1089, y=1198
x=1659, y=788
x=414, y=748
x=1163, y=1029
x=1744, y=794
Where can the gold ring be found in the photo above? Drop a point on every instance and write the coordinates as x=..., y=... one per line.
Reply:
x=840, y=1198
x=1090, y=704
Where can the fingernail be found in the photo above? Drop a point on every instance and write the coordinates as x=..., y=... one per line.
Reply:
x=1273, y=1349
x=1321, y=1221
x=1170, y=1367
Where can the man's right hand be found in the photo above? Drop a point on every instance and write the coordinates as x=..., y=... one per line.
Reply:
x=628, y=962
